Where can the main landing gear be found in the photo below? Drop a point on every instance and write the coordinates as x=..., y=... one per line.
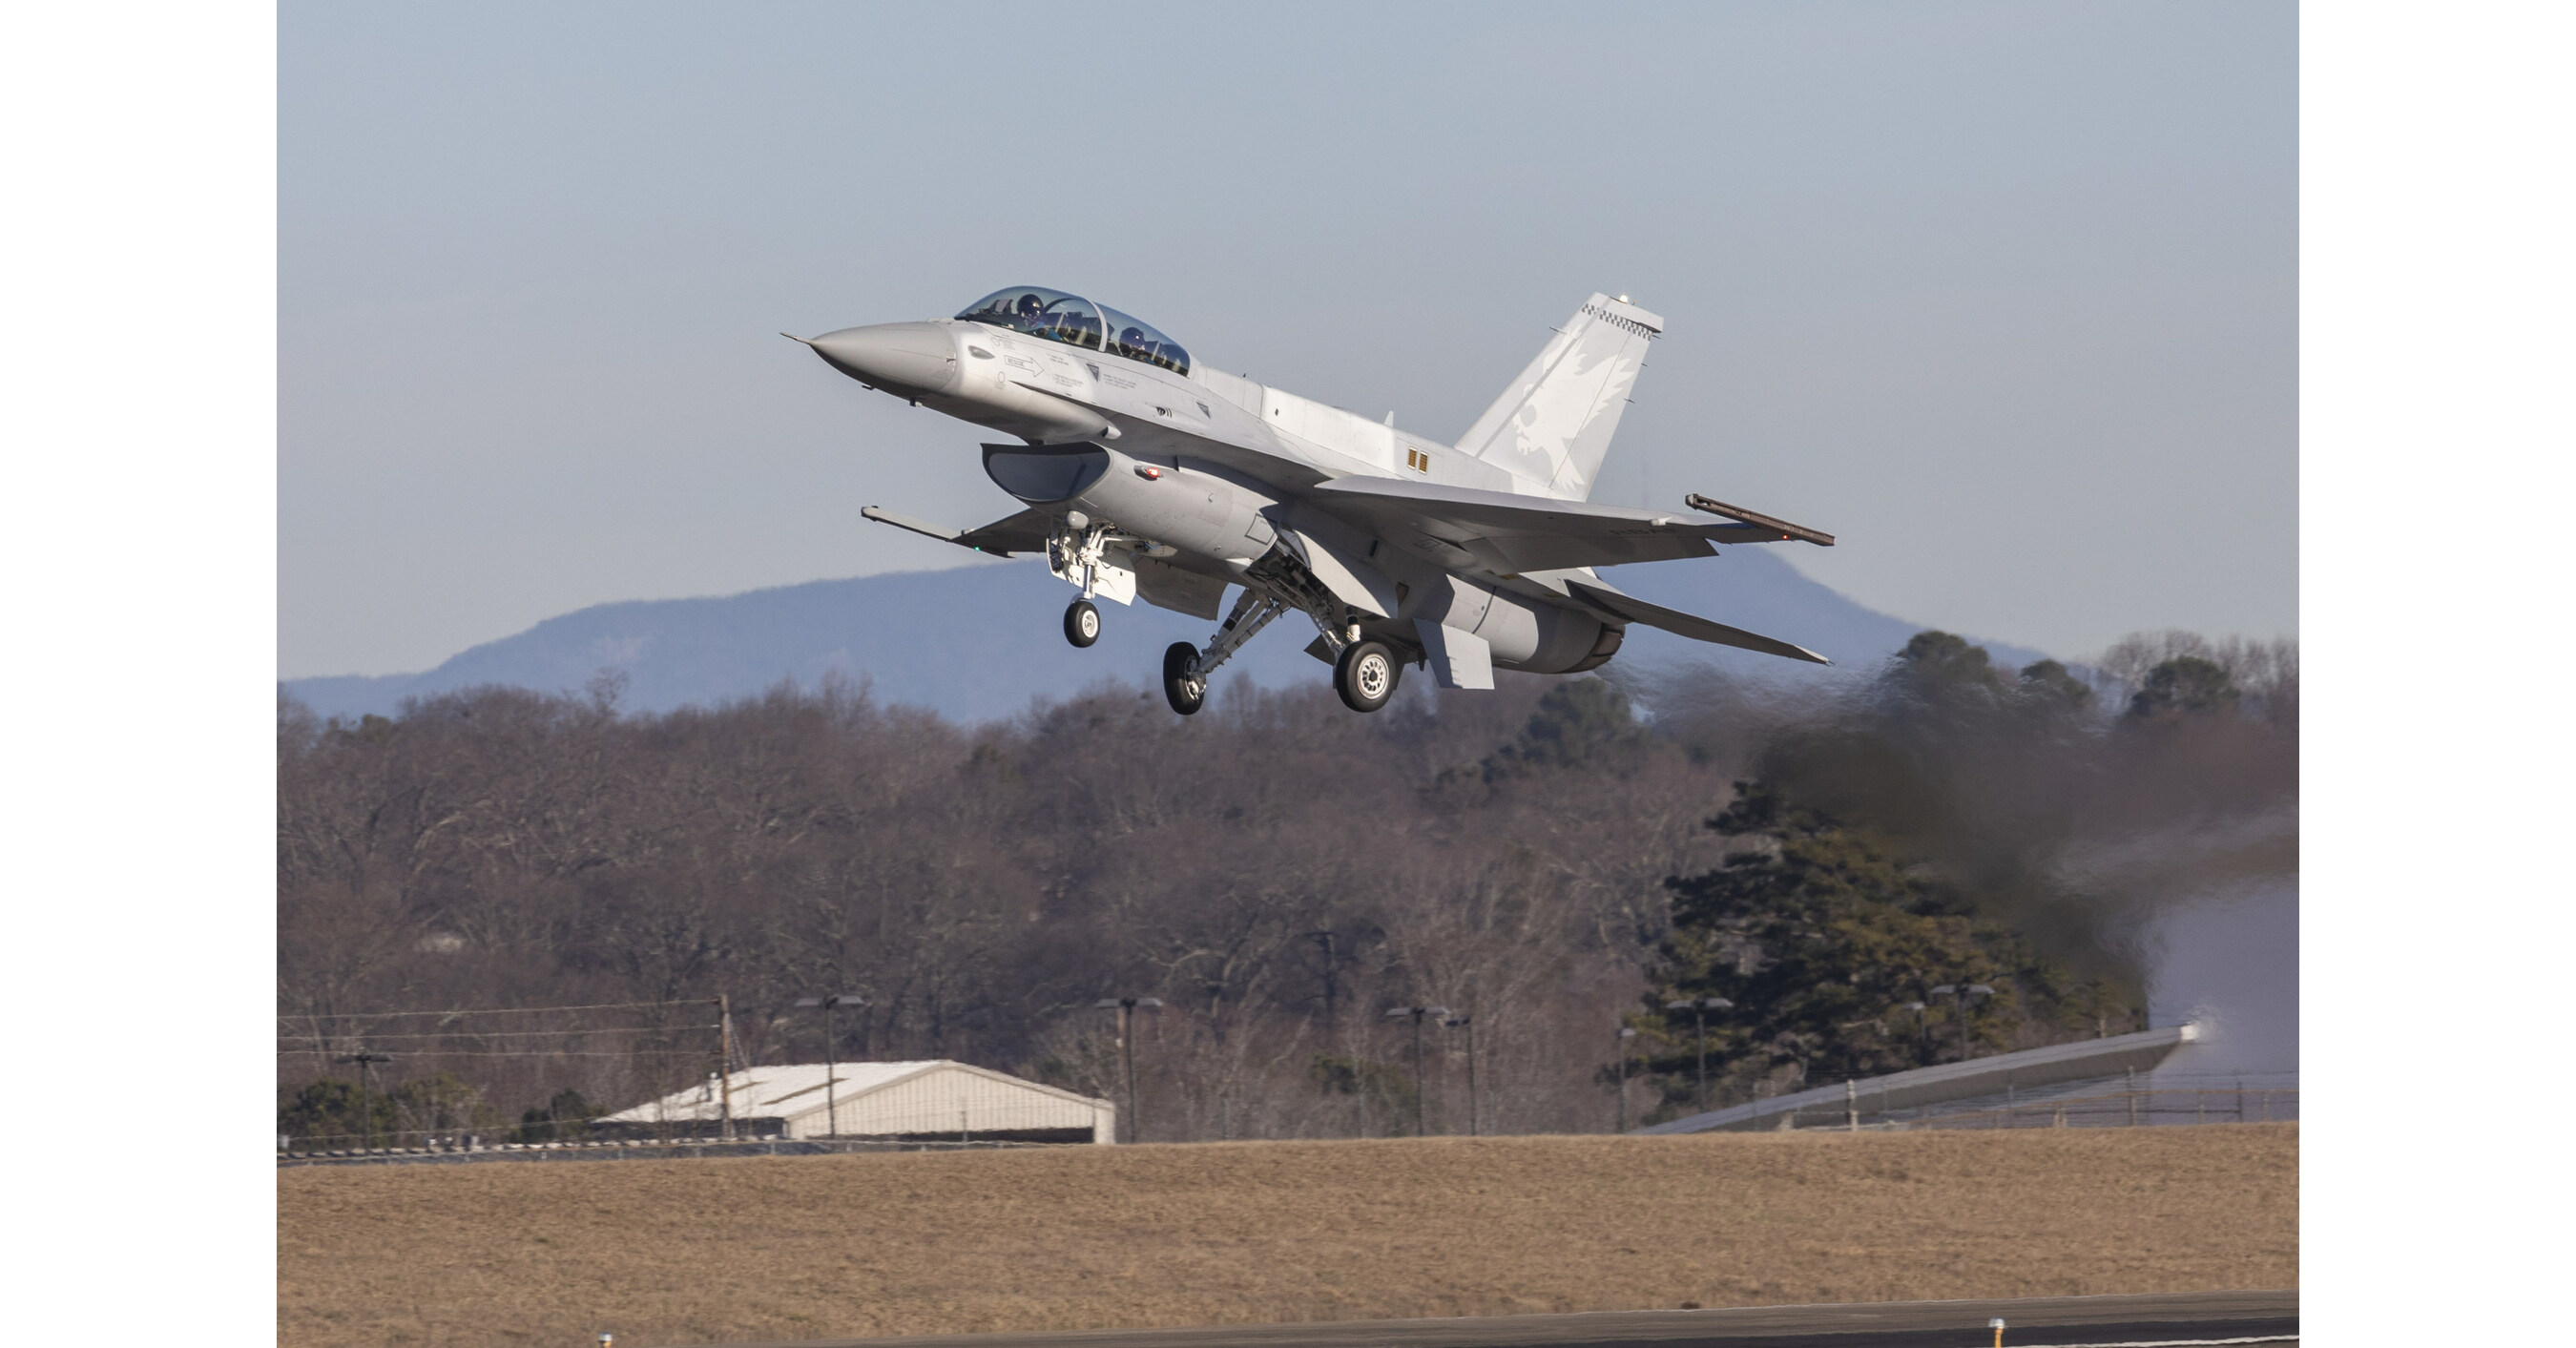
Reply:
x=1082, y=623
x=1184, y=683
x=1186, y=667
x=1365, y=675
x=1364, y=671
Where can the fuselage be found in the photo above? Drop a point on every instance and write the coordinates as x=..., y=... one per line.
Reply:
x=1049, y=392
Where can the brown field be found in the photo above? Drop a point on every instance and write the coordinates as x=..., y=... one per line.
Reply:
x=667, y=1252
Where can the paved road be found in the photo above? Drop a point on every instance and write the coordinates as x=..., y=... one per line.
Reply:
x=2033, y=1322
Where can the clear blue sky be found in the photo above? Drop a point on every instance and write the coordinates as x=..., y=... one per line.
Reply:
x=2003, y=294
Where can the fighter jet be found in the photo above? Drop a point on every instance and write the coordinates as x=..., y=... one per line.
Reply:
x=1144, y=473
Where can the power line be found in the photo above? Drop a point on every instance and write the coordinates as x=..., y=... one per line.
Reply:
x=372, y=1037
x=527, y=1052
x=487, y=1011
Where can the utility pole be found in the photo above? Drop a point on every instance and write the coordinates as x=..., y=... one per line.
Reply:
x=1127, y=1008
x=724, y=1058
x=1421, y=1087
x=1966, y=996
x=1699, y=1007
x=1625, y=1034
x=1475, y=1120
x=366, y=1109
x=831, y=1050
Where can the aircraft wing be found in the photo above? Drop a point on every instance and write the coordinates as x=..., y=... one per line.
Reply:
x=1673, y=620
x=1512, y=534
x=1023, y=532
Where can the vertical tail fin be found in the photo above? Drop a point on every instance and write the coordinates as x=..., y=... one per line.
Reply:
x=1553, y=424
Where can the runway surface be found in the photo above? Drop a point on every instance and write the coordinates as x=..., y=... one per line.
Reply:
x=2242, y=1317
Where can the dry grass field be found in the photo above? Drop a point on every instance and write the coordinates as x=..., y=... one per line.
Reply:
x=672, y=1252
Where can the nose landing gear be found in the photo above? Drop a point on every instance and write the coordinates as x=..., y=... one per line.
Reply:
x=1082, y=623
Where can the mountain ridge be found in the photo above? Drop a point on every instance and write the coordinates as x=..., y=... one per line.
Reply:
x=982, y=641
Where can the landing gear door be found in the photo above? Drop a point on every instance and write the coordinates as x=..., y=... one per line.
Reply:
x=1339, y=557
x=1107, y=573
x=1115, y=577
x=1164, y=585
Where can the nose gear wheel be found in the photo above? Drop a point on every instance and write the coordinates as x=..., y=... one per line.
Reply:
x=1082, y=623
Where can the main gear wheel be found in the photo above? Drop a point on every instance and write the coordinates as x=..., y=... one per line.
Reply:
x=1183, y=685
x=1365, y=676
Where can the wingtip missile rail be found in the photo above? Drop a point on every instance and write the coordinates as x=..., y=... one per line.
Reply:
x=1743, y=516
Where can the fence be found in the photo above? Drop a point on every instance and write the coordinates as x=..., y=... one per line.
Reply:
x=464, y=1079
x=2164, y=1099
x=2131, y=1109
x=529, y=1081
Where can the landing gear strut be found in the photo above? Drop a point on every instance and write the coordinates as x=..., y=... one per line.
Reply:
x=1082, y=623
x=1365, y=675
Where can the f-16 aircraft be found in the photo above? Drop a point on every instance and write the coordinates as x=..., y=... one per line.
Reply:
x=1145, y=473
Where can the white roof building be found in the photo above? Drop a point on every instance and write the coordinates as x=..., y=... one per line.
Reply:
x=934, y=1099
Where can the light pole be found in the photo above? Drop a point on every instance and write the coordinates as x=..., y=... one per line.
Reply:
x=1475, y=1124
x=366, y=1111
x=1967, y=996
x=1625, y=1034
x=831, y=1051
x=1699, y=1007
x=1127, y=1007
x=1922, y=1031
x=1417, y=1012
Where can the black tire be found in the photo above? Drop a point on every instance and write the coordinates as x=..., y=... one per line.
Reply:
x=1082, y=623
x=1366, y=674
x=1183, y=686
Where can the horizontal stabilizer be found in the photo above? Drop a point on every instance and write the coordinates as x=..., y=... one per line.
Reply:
x=1683, y=624
x=1023, y=532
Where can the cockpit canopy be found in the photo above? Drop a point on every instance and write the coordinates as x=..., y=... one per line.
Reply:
x=1073, y=320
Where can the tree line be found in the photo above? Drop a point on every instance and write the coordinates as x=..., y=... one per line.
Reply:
x=1549, y=862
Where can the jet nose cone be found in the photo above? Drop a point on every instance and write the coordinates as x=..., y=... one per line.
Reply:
x=915, y=357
